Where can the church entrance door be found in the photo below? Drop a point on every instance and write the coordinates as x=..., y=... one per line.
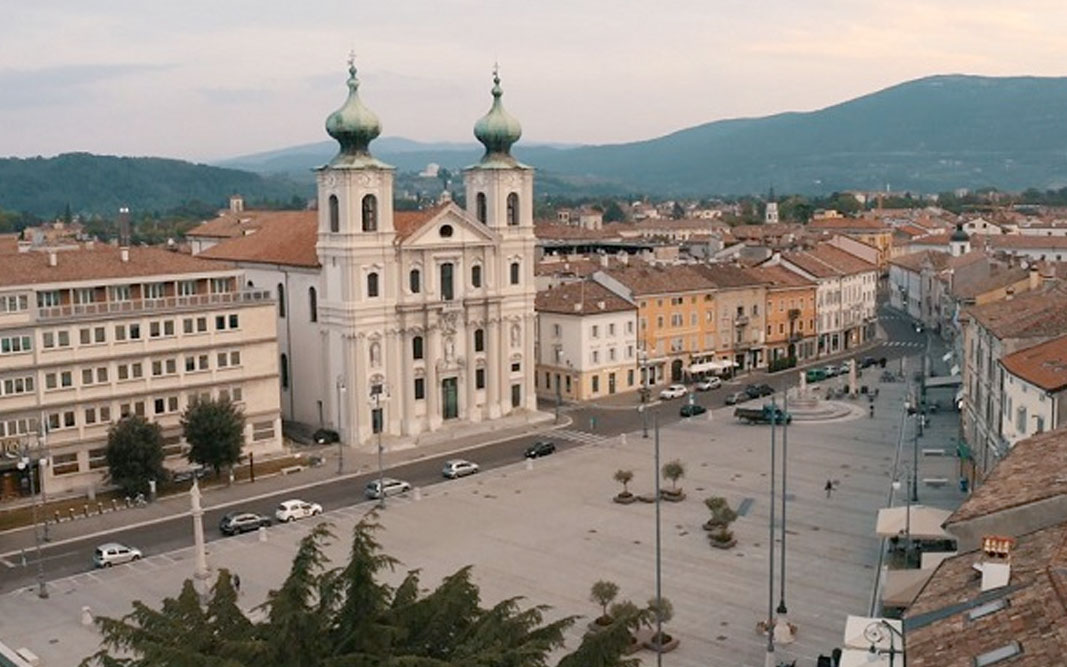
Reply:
x=450, y=398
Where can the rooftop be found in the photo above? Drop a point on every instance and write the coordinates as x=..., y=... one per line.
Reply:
x=1035, y=469
x=286, y=238
x=1031, y=314
x=581, y=298
x=849, y=224
x=916, y=261
x=648, y=279
x=777, y=276
x=1044, y=365
x=726, y=276
x=100, y=263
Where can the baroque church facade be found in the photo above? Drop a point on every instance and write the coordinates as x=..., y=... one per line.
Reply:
x=411, y=321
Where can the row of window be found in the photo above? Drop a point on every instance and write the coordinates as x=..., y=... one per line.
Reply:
x=369, y=211
x=126, y=371
x=61, y=338
x=160, y=405
x=594, y=355
x=447, y=283
x=158, y=290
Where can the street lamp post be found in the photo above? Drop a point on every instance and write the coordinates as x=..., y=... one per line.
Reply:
x=876, y=633
x=378, y=396
x=32, y=466
x=642, y=357
x=785, y=451
x=659, y=598
x=341, y=391
x=915, y=461
x=770, y=659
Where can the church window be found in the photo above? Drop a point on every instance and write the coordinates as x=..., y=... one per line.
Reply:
x=370, y=213
x=479, y=340
x=281, y=300
x=476, y=276
x=415, y=281
x=480, y=207
x=416, y=347
x=513, y=209
x=447, y=292
x=514, y=273
x=372, y=284
x=335, y=215
x=445, y=231
x=313, y=305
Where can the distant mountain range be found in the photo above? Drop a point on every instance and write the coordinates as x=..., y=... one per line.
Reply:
x=928, y=135
x=932, y=134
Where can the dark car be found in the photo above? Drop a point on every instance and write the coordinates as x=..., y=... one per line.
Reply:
x=759, y=390
x=736, y=397
x=692, y=410
x=187, y=474
x=325, y=436
x=868, y=362
x=242, y=522
x=539, y=449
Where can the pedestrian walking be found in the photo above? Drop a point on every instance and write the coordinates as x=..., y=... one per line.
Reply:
x=829, y=487
x=237, y=583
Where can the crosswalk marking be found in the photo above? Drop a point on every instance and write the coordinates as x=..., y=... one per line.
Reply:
x=580, y=436
x=901, y=343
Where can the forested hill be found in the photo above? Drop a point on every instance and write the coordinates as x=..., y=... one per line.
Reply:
x=100, y=184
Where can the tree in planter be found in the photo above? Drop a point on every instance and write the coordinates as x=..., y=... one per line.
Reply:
x=722, y=515
x=674, y=471
x=660, y=612
x=604, y=593
x=624, y=477
x=214, y=430
x=134, y=454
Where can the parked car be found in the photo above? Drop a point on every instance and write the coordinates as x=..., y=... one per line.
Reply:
x=831, y=371
x=674, y=391
x=736, y=397
x=708, y=384
x=459, y=468
x=759, y=390
x=763, y=415
x=326, y=436
x=539, y=449
x=845, y=368
x=114, y=553
x=187, y=474
x=233, y=523
x=868, y=362
x=393, y=487
x=815, y=375
x=291, y=510
x=692, y=410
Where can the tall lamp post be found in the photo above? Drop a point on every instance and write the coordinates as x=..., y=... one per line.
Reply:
x=31, y=466
x=783, y=632
x=378, y=396
x=908, y=476
x=659, y=598
x=878, y=632
x=769, y=660
x=341, y=392
x=642, y=358
x=915, y=459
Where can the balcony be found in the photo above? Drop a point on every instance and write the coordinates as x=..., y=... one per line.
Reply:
x=166, y=304
x=741, y=321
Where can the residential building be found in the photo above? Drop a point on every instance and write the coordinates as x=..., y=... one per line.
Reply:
x=912, y=280
x=866, y=230
x=90, y=335
x=401, y=323
x=790, y=313
x=740, y=299
x=1034, y=399
x=586, y=342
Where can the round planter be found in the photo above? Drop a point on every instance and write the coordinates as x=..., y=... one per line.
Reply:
x=597, y=627
x=723, y=545
x=673, y=496
x=666, y=647
x=711, y=525
x=647, y=498
x=625, y=499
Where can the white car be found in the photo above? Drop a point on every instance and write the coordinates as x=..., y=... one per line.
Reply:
x=674, y=391
x=114, y=553
x=709, y=384
x=392, y=487
x=291, y=510
x=459, y=468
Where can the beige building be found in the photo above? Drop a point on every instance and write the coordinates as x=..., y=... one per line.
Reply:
x=92, y=334
x=586, y=342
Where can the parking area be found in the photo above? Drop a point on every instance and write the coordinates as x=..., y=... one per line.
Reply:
x=550, y=532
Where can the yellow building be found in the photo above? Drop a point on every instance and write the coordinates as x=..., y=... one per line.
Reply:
x=865, y=230
x=790, y=308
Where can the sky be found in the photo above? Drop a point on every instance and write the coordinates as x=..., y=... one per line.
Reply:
x=204, y=80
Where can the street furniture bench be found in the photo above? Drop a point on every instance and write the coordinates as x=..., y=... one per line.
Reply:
x=288, y=470
x=933, y=451
x=935, y=481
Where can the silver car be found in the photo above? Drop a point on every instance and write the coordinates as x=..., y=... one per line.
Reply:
x=392, y=487
x=114, y=553
x=459, y=468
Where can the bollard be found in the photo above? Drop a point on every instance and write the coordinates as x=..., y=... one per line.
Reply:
x=622, y=438
x=99, y=508
x=417, y=494
x=23, y=554
x=57, y=516
x=529, y=464
x=262, y=533
x=127, y=502
x=85, y=509
x=71, y=513
x=87, y=615
x=114, y=505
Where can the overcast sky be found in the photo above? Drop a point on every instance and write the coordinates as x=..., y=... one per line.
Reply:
x=200, y=79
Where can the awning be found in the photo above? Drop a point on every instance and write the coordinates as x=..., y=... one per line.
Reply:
x=855, y=637
x=902, y=586
x=711, y=366
x=925, y=522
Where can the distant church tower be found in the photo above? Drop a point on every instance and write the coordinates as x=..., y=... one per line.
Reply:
x=959, y=243
x=770, y=216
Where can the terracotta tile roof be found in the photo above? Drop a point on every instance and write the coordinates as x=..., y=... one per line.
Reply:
x=933, y=239
x=842, y=260
x=582, y=266
x=916, y=261
x=586, y=297
x=100, y=263
x=648, y=279
x=286, y=238
x=406, y=223
x=911, y=230
x=1033, y=470
x=551, y=231
x=231, y=225
x=726, y=276
x=9, y=243
x=848, y=224
x=808, y=262
x=1032, y=314
x=779, y=277
x=940, y=632
x=995, y=277
x=1044, y=365
x=1027, y=242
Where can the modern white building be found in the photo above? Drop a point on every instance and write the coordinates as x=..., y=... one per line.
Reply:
x=402, y=323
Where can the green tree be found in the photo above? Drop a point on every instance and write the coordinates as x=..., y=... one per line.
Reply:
x=674, y=471
x=604, y=593
x=624, y=477
x=134, y=454
x=214, y=430
x=677, y=212
x=660, y=611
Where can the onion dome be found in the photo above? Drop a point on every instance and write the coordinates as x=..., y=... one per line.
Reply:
x=497, y=130
x=959, y=235
x=354, y=126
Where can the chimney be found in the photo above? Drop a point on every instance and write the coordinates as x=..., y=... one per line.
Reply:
x=51, y=258
x=124, y=226
x=604, y=261
x=124, y=253
x=1009, y=293
x=1035, y=277
x=996, y=561
x=237, y=203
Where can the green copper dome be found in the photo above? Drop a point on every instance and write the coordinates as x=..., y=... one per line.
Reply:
x=959, y=235
x=497, y=130
x=354, y=126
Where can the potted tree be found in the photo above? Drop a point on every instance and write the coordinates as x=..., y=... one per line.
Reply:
x=660, y=611
x=603, y=593
x=722, y=515
x=624, y=477
x=634, y=619
x=673, y=470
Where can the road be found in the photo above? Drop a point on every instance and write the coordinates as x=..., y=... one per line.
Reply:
x=73, y=556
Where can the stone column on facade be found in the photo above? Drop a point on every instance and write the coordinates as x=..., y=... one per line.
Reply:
x=529, y=367
x=474, y=413
x=396, y=380
x=356, y=401
x=407, y=392
x=492, y=375
x=503, y=365
x=433, y=377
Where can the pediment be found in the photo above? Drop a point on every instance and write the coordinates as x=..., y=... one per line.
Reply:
x=449, y=227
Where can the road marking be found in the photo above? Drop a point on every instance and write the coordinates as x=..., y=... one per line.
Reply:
x=8, y=563
x=581, y=437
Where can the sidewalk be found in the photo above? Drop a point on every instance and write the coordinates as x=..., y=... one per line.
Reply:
x=357, y=461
